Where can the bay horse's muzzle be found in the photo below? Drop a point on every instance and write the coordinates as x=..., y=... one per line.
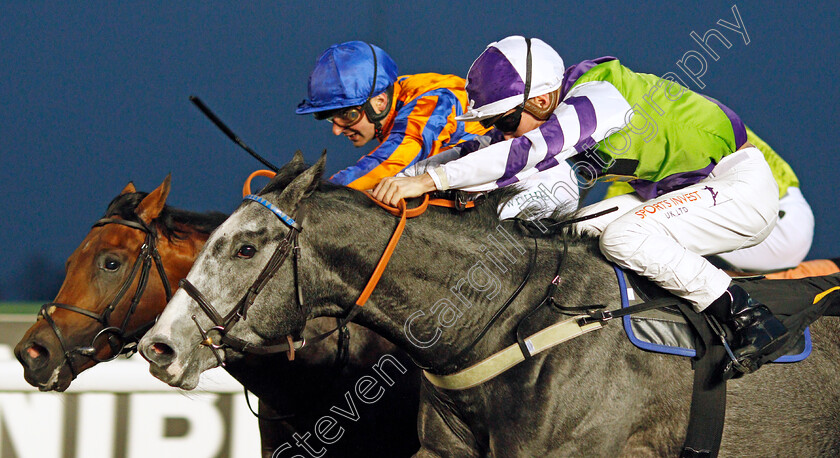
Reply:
x=42, y=363
x=32, y=355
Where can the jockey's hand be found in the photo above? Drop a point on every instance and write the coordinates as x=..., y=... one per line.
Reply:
x=390, y=190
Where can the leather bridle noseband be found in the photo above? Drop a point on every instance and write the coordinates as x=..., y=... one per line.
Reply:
x=120, y=342
x=223, y=324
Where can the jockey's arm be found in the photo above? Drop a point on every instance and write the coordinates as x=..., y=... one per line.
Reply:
x=390, y=190
x=590, y=112
x=417, y=132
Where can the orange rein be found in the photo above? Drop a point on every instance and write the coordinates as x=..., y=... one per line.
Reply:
x=246, y=188
x=401, y=211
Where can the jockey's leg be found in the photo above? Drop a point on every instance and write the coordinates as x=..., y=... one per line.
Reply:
x=786, y=246
x=595, y=226
x=665, y=238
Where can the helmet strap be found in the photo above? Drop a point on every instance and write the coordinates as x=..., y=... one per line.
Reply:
x=526, y=94
x=367, y=107
x=377, y=118
x=543, y=113
x=527, y=71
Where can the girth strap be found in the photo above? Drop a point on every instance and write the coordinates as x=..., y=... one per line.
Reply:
x=708, y=397
x=500, y=362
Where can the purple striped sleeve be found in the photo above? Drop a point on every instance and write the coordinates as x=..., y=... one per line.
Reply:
x=517, y=158
x=554, y=138
x=588, y=121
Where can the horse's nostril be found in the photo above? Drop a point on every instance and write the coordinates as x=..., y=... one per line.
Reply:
x=33, y=356
x=36, y=351
x=161, y=349
x=157, y=351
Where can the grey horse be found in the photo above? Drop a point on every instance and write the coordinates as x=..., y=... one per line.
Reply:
x=291, y=393
x=595, y=395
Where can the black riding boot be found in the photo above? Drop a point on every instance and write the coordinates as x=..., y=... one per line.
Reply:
x=757, y=333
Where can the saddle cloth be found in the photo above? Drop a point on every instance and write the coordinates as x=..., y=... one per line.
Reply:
x=665, y=330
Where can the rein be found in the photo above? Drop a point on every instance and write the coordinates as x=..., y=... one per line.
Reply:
x=223, y=324
x=126, y=343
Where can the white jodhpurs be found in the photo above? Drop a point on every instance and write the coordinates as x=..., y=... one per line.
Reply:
x=665, y=239
x=786, y=246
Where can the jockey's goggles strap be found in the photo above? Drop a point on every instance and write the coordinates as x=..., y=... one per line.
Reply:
x=287, y=220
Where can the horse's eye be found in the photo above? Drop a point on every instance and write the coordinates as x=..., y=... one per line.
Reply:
x=111, y=265
x=246, y=252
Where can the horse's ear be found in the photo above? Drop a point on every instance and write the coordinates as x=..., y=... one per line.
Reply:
x=297, y=159
x=293, y=168
x=286, y=174
x=152, y=205
x=129, y=188
x=305, y=183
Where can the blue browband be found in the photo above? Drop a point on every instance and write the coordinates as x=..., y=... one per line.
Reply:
x=287, y=220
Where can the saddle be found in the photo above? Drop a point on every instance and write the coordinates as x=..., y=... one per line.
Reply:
x=666, y=330
x=667, y=324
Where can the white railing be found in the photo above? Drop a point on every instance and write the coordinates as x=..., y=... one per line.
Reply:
x=119, y=409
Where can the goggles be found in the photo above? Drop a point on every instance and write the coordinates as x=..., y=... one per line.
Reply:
x=507, y=123
x=343, y=117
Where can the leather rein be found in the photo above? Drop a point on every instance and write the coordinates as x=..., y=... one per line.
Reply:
x=120, y=341
x=223, y=324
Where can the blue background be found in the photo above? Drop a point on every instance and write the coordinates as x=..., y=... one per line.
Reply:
x=95, y=95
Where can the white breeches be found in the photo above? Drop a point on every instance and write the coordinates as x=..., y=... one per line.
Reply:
x=788, y=243
x=665, y=239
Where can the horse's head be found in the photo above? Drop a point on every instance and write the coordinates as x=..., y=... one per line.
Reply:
x=112, y=290
x=256, y=245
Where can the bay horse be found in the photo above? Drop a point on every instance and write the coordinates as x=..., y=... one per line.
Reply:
x=595, y=395
x=65, y=342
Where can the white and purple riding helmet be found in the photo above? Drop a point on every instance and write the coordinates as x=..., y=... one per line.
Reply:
x=499, y=78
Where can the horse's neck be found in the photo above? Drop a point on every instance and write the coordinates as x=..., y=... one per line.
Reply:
x=179, y=254
x=442, y=286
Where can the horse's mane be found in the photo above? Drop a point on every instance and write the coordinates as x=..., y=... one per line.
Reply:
x=485, y=216
x=170, y=218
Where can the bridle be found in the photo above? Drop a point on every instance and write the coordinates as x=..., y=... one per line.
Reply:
x=223, y=324
x=119, y=341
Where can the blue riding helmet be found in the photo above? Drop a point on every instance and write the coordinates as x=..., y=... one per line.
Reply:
x=343, y=75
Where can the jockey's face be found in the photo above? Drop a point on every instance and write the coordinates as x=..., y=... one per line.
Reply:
x=362, y=131
x=359, y=133
x=526, y=124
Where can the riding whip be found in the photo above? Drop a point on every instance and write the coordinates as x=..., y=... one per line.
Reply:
x=224, y=128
